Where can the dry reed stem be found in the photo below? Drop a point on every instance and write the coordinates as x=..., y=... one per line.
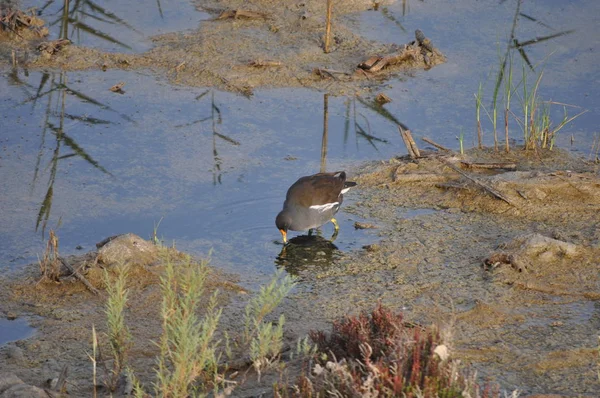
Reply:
x=435, y=144
x=328, y=25
x=411, y=145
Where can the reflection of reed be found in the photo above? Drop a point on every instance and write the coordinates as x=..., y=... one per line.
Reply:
x=74, y=13
x=216, y=159
x=216, y=119
x=325, y=129
x=386, y=13
x=54, y=88
x=363, y=130
x=514, y=43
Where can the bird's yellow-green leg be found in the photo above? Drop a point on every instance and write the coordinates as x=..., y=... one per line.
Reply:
x=335, y=230
x=335, y=224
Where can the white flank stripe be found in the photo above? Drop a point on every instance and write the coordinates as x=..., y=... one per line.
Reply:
x=325, y=207
x=345, y=190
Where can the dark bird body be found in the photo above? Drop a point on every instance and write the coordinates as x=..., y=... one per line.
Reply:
x=312, y=201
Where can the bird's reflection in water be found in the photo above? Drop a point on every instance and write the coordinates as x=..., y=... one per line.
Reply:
x=304, y=251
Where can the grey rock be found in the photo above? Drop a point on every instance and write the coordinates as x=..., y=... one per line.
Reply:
x=15, y=354
x=24, y=391
x=8, y=380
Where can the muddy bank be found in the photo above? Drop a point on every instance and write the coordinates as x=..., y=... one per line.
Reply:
x=516, y=286
x=63, y=310
x=250, y=45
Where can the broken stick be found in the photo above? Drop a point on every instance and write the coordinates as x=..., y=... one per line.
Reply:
x=78, y=275
x=490, y=165
x=474, y=180
x=411, y=145
x=435, y=144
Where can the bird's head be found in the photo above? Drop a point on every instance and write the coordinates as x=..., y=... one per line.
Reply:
x=283, y=222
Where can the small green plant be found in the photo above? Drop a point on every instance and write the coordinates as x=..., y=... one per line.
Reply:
x=304, y=348
x=265, y=339
x=495, y=118
x=187, y=361
x=138, y=391
x=536, y=122
x=155, y=239
x=461, y=139
x=535, y=115
x=119, y=336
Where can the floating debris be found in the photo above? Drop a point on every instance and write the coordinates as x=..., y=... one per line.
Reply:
x=419, y=51
x=17, y=22
x=118, y=88
x=362, y=225
x=263, y=64
x=52, y=47
x=241, y=14
x=381, y=99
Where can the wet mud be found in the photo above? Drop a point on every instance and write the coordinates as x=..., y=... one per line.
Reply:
x=515, y=286
x=249, y=45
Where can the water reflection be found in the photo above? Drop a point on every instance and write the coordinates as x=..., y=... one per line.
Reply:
x=325, y=133
x=361, y=124
x=515, y=43
x=216, y=119
x=53, y=88
x=73, y=17
x=306, y=250
x=110, y=25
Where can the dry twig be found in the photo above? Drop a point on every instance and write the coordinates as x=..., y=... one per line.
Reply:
x=411, y=145
x=435, y=144
x=474, y=180
x=78, y=275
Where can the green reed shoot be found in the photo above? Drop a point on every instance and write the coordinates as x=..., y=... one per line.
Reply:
x=461, y=139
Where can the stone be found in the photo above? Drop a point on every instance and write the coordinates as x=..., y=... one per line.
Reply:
x=24, y=391
x=8, y=380
x=15, y=354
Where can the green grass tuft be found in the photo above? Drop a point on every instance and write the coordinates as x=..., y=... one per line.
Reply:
x=119, y=336
x=265, y=339
x=187, y=360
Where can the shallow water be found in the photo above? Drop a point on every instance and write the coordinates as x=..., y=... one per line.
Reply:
x=116, y=26
x=13, y=330
x=149, y=156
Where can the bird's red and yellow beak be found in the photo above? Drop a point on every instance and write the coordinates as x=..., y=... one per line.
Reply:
x=283, y=235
